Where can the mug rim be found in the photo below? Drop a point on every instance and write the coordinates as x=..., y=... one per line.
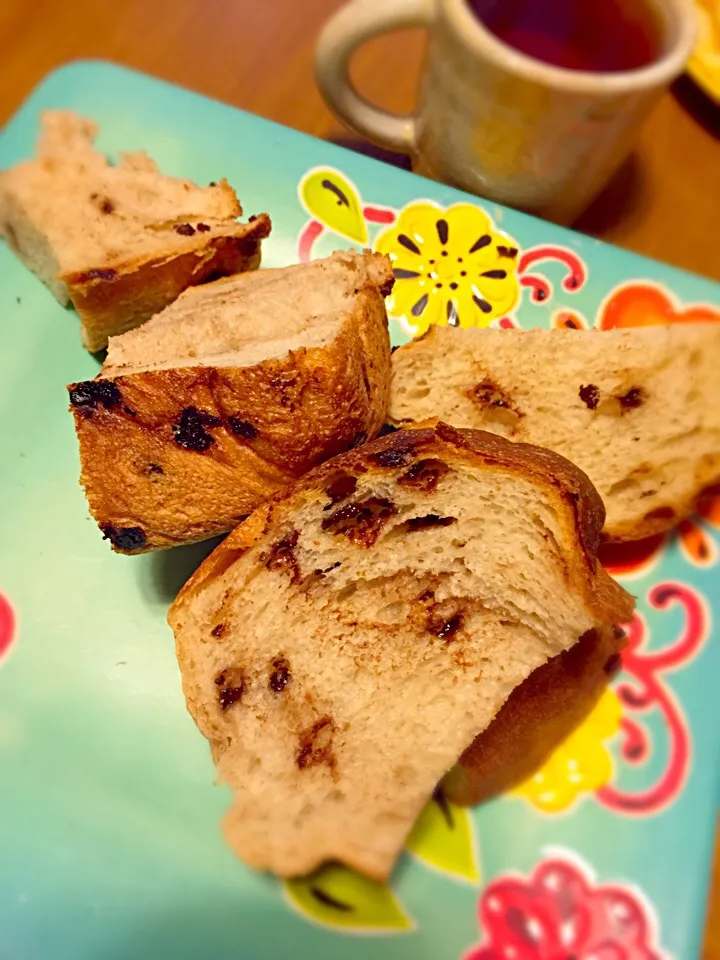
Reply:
x=474, y=34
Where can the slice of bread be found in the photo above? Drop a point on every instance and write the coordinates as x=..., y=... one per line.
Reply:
x=636, y=409
x=230, y=393
x=345, y=645
x=538, y=715
x=123, y=241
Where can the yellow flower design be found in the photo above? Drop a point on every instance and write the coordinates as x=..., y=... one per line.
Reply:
x=452, y=267
x=582, y=763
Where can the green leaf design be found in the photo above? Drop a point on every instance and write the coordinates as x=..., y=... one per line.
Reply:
x=444, y=838
x=335, y=896
x=331, y=198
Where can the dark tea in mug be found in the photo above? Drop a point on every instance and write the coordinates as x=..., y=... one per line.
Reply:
x=601, y=36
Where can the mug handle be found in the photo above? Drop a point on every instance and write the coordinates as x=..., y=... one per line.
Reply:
x=350, y=27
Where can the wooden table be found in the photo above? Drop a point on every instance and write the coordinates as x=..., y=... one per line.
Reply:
x=258, y=54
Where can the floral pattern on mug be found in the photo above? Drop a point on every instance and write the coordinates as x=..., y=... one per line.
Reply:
x=559, y=912
x=452, y=267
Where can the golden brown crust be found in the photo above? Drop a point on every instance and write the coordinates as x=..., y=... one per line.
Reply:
x=177, y=455
x=577, y=498
x=536, y=718
x=113, y=300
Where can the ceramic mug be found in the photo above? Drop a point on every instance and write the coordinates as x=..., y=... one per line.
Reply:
x=495, y=121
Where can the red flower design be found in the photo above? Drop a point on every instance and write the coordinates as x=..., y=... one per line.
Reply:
x=635, y=304
x=7, y=627
x=646, y=305
x=558, y=914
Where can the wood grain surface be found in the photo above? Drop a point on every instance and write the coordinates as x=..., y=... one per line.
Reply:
x=258, y=55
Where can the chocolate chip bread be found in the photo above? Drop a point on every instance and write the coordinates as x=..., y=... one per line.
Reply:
x=232, y=392
x=121, y=242
x=537, y=716
x=636, y=409
x=347, y=642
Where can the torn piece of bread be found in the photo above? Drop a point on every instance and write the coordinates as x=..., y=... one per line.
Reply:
x=538, y=715
x=123, y=241
x=233, y=391
x=344, y=646
x=636, y=409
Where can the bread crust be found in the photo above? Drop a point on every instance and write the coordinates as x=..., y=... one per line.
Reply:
x=583, y=508
x=256, y=429
x=112, y=301
x=537, y=716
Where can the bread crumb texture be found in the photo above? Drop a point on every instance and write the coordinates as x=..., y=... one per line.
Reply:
x=120, y=240
x=380, y=612
x=636, y=409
